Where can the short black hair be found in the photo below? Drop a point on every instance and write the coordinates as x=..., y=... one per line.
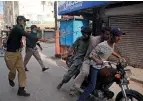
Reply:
x=33, y=26
x=86, y=30
x=104, y=29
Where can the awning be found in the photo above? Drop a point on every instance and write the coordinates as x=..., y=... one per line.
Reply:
x=65, y=7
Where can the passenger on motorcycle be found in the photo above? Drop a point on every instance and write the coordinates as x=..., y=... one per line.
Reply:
x=84, y=71
x=80, y=46
x=99, y=54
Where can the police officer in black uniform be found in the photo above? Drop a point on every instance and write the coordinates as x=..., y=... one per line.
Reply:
x=13, y=56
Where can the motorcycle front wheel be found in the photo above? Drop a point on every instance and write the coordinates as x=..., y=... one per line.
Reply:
x=132, y=95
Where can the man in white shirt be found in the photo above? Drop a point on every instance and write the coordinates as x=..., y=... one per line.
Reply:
x=100, y=53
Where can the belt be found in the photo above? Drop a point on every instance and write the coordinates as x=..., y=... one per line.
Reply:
x=13, y=50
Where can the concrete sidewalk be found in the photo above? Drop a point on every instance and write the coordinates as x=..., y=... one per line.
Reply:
x=137, y=74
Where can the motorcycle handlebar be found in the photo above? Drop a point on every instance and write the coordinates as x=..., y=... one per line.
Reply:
x=109, y=62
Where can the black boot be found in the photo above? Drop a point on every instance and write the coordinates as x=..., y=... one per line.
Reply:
x=60, y=85
x=26, y=69
x=44, y=69
x=11, y=83
x=22, y=92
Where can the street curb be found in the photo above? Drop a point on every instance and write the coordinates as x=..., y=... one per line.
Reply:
x=136, y=80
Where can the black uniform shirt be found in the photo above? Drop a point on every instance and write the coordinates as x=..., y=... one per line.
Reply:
x=31, y=42
x=14, y=39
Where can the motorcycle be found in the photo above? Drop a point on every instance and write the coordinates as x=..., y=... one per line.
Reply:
x=119, y=75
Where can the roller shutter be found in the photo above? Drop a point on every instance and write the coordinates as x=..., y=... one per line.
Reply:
x=131, y=45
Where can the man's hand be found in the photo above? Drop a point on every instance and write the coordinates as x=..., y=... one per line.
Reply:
x=123, y=59
x=71, y=51
x=99, y=62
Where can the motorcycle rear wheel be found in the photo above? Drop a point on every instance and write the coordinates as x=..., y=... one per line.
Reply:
x=130, y=94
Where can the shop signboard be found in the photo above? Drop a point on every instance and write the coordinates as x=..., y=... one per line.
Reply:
x=70, y=6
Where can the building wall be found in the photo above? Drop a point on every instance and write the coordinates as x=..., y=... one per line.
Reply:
x=1, y=18
x=129, y=10
x=42, y=16
x=11, y=11
x=130, y=20
x=1, y=14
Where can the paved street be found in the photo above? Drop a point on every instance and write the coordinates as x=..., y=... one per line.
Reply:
x=42, y=86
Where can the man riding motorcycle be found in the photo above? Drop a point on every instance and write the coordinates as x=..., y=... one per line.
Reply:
x=80, y=46
x=100, y=53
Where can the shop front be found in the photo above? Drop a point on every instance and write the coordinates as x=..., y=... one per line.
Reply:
x=76, y=14
x=128, y=16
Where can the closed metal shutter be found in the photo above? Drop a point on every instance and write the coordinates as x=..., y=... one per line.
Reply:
x=50, y=35
x=131, y=45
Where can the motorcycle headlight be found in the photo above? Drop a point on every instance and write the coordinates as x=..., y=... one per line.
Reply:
x=128, y=73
